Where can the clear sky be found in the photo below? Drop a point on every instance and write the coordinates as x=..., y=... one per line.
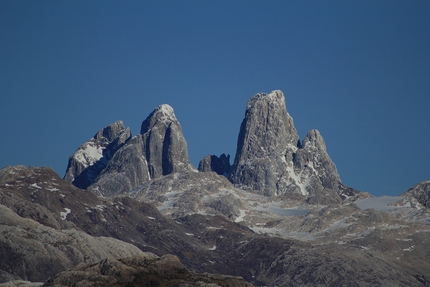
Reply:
x=358, y=71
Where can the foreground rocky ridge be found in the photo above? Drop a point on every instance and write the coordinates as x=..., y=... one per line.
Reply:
x=144, y=270
x=350, y=246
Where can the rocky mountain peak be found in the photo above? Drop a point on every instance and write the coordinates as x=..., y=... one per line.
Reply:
x=92, y=157
x=270, y=158
x=164, y=144
x=267, y=126
x=159, y=149
x=163, y=113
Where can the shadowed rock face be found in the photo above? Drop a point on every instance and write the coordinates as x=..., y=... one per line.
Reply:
x=86, y=164
x=220, y=165
x=270, y=159
x=159, y=149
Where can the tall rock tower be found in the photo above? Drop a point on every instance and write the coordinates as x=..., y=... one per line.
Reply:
x=270, y=159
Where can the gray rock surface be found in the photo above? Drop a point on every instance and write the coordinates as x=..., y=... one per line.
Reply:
x=49, y=224
x=271, y=160
x=143, y=270
x=267, y=134
x=159, y=149
x=421, y=192
x=92, y=157
x=164, y=144
x=34, y=252
x=220, y=165
x=127, y=169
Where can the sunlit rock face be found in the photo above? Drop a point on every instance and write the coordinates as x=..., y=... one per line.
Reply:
x=270, y=158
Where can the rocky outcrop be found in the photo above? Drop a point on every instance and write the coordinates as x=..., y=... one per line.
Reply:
x=34, y=252
x=421, y=192
x=158, y=150
x=220, y=165
x=144, y=270
x=92, y=157
x=271, y=160
x=41, y=195
x=180, y=194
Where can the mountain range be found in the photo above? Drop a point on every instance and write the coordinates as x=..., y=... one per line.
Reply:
x=133, y=211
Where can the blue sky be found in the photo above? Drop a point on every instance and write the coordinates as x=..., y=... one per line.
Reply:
x=358, y=71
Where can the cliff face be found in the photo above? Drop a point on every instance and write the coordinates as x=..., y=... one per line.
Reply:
x=270, y=158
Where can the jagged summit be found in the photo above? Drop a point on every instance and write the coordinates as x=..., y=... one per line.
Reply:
x=271, y=160
x=267, y=126
x=164, y=144
x=159, y=149
x=162, y=113
x=92, y=157
x=269, y=157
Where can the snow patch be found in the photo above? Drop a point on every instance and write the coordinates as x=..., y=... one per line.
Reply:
x=241, y=216
x=64, y=214
x=100, y=207
x=212, y=248
x=89, y=155
x=298, y=181
x=35, y=185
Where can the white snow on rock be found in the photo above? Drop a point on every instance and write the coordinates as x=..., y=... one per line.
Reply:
x=35, y=185
x=297, y=179
x=64, y=214
x=89, y=155
x=166, y=111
